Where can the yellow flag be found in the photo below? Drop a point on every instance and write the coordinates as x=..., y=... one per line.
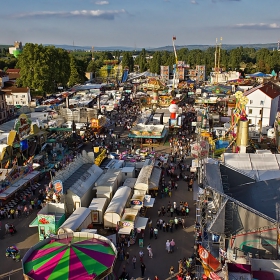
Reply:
x=206, y=269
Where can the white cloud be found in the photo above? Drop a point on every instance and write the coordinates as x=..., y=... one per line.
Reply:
x=101, y=2
x=194, y=2
x=110, y=14
x=257, y=25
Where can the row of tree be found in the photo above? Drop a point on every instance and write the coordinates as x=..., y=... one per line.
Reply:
x=43, y=68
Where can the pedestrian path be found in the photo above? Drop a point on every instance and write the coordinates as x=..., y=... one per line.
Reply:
x=161, y=262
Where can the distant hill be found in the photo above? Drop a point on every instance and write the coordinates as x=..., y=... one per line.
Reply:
x=269, y=46
x=88, y=48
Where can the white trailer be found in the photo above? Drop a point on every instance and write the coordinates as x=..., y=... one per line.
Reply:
x=130, y=182
x=80, y=219
x=128, y=172
x=115, y=210
x=109, y=181
x=97, y=208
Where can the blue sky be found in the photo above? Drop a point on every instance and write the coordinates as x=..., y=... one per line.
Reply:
x=139, y=23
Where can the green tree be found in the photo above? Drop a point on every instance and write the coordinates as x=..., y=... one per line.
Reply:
x=155, y=63
x=75, y=74
x=263, y=58
x=42, y=68
x=165, y=58
x=235, y=58
x=92, y=67
x=127, y=61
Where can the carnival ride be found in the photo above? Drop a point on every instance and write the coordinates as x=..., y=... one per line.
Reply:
x=175, y=70
x=237, y=131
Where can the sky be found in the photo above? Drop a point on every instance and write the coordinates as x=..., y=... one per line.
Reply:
x=140, y=23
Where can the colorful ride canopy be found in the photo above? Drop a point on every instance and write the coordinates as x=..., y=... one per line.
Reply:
x=70, y=257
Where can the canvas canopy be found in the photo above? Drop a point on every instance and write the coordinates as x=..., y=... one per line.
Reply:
x=119, y=200
x=155, y=178
x=140, y=223
x=73, y=223
x=257, y=166
x=149, y=202
x=113, y=213
x=142, y=182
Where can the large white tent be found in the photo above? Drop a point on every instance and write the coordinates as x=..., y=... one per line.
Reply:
x=260, y=167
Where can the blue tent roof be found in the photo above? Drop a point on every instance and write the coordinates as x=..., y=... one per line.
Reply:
x=259, y=75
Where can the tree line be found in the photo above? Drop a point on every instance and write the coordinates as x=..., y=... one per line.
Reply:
x=43, y=68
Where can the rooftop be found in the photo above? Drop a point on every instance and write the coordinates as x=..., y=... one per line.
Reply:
x=68, y=183
x=270, y=89
x=261, y=196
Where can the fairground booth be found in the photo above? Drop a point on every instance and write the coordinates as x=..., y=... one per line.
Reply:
x=148, y=134
x=16, y=183
x=49, y=219
x=131, y=225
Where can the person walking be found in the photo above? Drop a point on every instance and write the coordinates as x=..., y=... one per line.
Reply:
x=164, y=226
x=183, y=222
x=141, y=255
x=171, y=271
x=167, y=246
x=156, y=233
x=171, y=211
x=176, y=223
x=160, y=224
x=134, y=262
x=143, y=268
x=171, y=222
x=187, y=211
x=172, y=245
x=150, y=252
x=151, y=232
x=6, y=228
x=127, y=257
x=175, y=207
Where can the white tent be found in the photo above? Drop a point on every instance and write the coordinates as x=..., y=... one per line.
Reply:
x=80, y=193
x=142, y=182
x=130, y=182
x=128, y=221
x=98, y=207
x=109, y=181
x=155, y=178
x=79, y=219
x=261, y=167
x=113, y=213
x=140, y=223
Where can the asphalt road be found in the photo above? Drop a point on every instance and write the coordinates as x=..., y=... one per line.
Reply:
x=24, y=239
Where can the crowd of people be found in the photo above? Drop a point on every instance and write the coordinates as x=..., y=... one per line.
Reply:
x=172, y=214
